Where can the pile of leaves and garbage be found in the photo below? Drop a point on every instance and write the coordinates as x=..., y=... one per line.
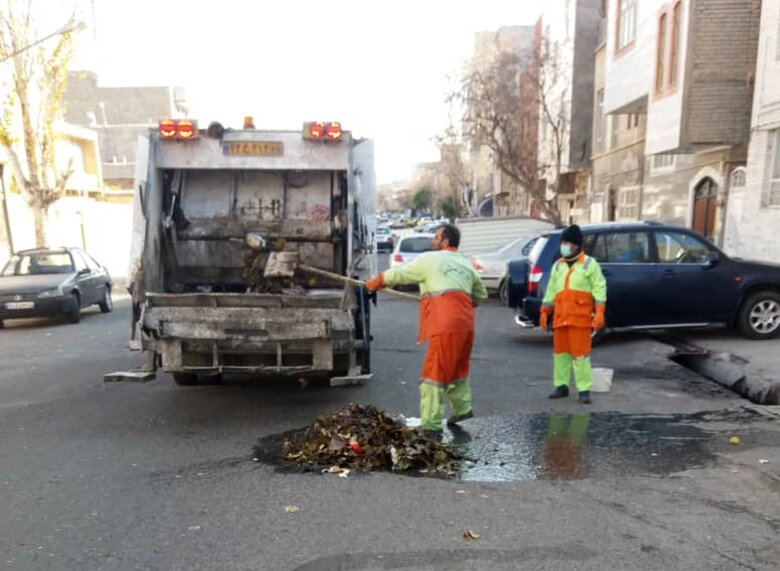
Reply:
x=362, y=437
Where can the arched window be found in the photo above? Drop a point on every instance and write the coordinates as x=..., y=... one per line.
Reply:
x=738, y=176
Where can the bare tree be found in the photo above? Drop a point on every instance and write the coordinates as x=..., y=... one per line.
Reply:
x=507, y=101
x=454, y=173
x=34, y=103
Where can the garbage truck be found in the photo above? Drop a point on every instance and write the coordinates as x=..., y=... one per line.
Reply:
x=210, y=207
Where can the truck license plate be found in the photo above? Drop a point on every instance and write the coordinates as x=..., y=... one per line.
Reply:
x=254, y=148
x=20, y=305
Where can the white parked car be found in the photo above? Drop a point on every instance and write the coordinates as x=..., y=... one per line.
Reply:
x=409, y=247
x=492, y=267
x=383, y=239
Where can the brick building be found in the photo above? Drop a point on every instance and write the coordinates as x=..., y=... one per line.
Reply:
x=683, y=69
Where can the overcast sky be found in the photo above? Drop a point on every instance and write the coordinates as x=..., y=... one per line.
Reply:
x=378, y=67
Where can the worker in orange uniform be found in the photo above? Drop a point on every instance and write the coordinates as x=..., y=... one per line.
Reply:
x=450, y=290
x=576, y=296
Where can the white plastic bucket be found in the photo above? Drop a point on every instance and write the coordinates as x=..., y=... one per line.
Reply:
x=602, y=380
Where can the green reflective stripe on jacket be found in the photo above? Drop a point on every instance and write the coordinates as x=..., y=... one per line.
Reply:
x=437, y=272
x=586, y=276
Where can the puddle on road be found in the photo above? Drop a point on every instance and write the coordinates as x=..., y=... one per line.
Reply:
x=559, y=446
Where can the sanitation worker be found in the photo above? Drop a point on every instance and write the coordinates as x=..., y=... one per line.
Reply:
x=576, y=297
x=450, y=290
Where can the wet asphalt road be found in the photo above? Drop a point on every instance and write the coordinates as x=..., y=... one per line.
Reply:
x=153, y=476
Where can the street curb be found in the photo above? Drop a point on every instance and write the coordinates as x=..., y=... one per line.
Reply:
x=728, y=370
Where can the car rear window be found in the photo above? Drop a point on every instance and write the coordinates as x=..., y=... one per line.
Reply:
x=416, y=245
x=382, y=231
x=537, y=250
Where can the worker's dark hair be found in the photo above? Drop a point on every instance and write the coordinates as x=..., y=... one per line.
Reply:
x=451, y=232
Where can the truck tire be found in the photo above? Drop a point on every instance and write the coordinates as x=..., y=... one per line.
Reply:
x=185, y=379
x=73, y=312
x=759, y=316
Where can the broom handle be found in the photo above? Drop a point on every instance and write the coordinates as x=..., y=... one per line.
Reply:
x=353, y=281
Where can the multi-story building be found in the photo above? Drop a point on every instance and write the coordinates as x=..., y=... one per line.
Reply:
x=487, y=178
x=569, y=36
x=684, y=70
x=753, y=213
x=119, y=115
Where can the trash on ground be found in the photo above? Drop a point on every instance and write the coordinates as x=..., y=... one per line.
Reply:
x=763, y=461
x=363, y=437
x=470, y=535
x=734, y=440
x=292, y=509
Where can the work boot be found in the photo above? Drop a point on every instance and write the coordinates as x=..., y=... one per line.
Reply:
x=455, y=419
x=585, y=397
x=434, y=434
x=560, y=392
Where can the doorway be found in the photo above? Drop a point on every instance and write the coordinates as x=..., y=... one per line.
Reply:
x=705, y=207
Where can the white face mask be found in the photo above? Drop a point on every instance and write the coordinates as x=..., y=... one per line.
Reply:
x=566, y=251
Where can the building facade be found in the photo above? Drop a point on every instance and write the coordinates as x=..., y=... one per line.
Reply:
x=569, y=36
x=684, y=70
x=119, y=115
x=753, y=213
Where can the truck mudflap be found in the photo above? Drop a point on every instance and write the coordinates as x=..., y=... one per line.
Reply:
x=250, y=333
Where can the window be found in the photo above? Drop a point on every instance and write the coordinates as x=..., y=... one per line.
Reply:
x=674, y=56
x=78, y=261
x=622, y=248
x=415, y=245
x=38, y=263
x=738, y=177
x=660, y=57
x=680, y=248
x=774, y=182
x=628, y=204
x=600, y=122
x=626, y=23
x=91, y=263
x=663, y=161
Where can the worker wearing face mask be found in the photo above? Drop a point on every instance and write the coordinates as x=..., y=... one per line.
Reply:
x=576, y=297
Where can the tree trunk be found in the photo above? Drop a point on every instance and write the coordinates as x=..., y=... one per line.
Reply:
x=40, y=215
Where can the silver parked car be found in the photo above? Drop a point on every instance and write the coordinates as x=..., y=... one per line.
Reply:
x=492, y=266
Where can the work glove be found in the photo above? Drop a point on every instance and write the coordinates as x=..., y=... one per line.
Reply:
x=375, y=283
x=544, y=317
x=598, y=319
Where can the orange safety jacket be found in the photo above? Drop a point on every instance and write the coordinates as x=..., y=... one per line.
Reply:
x=574, y=290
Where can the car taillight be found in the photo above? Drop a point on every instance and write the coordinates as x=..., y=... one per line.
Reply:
x=534, y=277
x=398, y=258
x=477, y=265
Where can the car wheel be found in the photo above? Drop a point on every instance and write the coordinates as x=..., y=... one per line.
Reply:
x=107, y=304
x=2, y=325
x=185, y=379
x=73, y=313
x=502, y=290
x=759, y=317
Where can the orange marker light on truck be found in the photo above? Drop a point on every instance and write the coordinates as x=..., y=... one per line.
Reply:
x=167, y=128
x=334, y=131
x=316, y=130
x=186, y=129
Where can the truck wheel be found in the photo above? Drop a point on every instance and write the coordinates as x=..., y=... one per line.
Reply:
x=73, y=313
x=759, y=316
x=107, y=304
x=185, y=379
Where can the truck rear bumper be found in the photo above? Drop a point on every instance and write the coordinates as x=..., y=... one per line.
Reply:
x=255, y=339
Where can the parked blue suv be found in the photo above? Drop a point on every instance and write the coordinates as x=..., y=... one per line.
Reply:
x=658, y=277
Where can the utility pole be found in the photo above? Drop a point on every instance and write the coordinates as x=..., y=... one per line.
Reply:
x=6, y=218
